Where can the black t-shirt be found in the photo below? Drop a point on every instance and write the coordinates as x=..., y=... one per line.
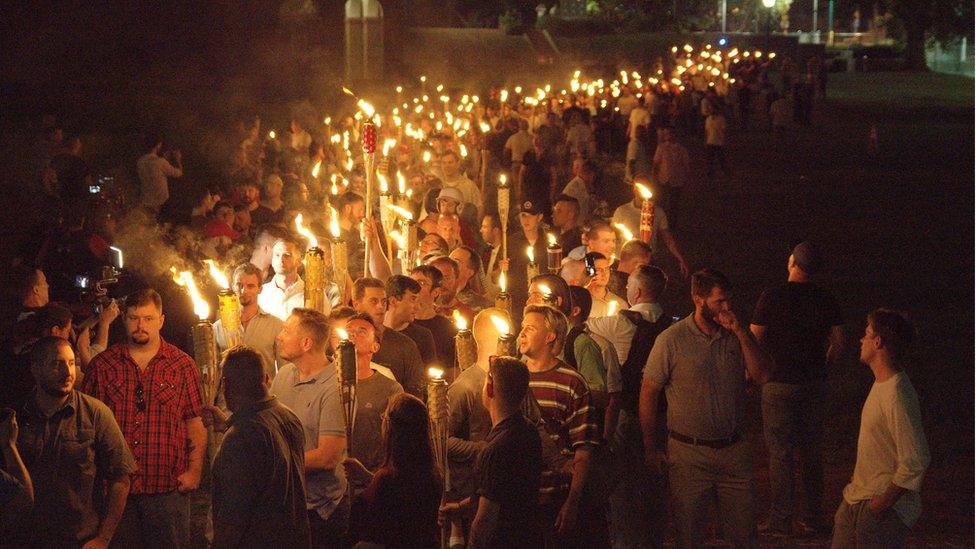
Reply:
x=443, y=331
x=424, y=340
x=797, y=317
x=507, y=473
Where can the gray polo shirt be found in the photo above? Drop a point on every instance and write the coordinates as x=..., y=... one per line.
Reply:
x=704, y=380
x=317, y=404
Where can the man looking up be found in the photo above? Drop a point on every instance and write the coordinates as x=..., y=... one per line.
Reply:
x=470, y=292
x=403, y=294
x=430, y=279
x=260, y=329
x=309, y=387
x=153, y=389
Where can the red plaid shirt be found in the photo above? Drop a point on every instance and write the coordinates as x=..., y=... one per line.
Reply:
x=171, y=396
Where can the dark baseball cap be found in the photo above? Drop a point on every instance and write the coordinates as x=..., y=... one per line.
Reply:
x=808, y=257
x=530, y=207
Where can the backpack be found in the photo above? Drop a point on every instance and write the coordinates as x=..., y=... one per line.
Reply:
x=632, y=370
x=568, y=348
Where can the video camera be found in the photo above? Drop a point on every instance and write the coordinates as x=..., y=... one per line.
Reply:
x=93, y=287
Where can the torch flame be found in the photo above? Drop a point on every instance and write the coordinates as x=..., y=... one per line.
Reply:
x=459, y=320
x=402, y=212
x=302, y=230
x=502, y=180
x=343, y=334
x=501, y=325
x=435, y=373
x=645, y=193
x=384, y=186
x=501, y=281
x=200, y=306
x=272, y=134
x=624, y=231
x=401, y=240
x=426, y=156
x=485, y=127
x=388, y=144
x=401, y=182
x=219, y=277
x=552, y=239
x=334, y=223
x=530, y=251
x=316, y=168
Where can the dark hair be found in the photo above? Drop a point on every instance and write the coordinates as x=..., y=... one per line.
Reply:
x=446, y=261
x=704, y=280
x=347, y=198
x=896, y=331
x=407, y=440
x=342, y=312
x=651, y=279
x=433, y=273
x=495, y=222
x=359, y=287
x=246, y=269
x=144, y=297
x=365, y=318
x=593, y=256
x=570, y=199
x=582, y=299
x=150, y=141
x=26, y=278
x=398, y=285
x=268, y=230
x=222, y=204
x=474, y=260
x=51, y=315
x=45, y=350
x=510, y=379
x=315, y=324
x=560, y=288
x=246, y=366
x=290, y=238
x=590, y=166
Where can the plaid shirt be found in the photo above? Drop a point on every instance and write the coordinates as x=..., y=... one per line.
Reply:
x=156, y=428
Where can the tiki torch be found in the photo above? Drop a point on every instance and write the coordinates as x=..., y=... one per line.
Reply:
x=439, y=409
x=647, y=214
x=202, y=334
x=503, y=300
x=506, y=340
x=504, y=202
x=408, y=238
x=532, y=269
x=465, y=350
x=340, y=261
x=228, y=306
x=346, y=372
x=314, y=270
x=369, y=161
x=554, y=254
x=387, y=217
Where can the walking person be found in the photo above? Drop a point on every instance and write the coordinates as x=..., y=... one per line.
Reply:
x=716, y=127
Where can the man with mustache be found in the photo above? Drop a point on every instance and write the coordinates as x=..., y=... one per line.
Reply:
x=68, y=439
x=153, y=389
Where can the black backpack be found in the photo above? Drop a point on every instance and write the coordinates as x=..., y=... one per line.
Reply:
x=632, y=370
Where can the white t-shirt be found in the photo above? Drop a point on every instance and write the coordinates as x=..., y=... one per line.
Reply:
x=715, y=126
x=629, y=216
x=154, y=172
x=673, y=164
x=640, y=116
x=891, y=447
x=519, y=143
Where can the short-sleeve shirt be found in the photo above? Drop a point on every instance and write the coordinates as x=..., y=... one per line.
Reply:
x=156, y=431
x=798, y=317
x=260, y=333
x=65, y=453
x=258, y=477
x=703, y=377
x=629, y=215
x=443, y=331
x=468, y=426
x=507, y=473
x=318, y=405
x=424, y=340
x=400, y=354
x=373, y=396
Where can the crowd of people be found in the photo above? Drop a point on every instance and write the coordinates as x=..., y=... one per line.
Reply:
x=587, y=415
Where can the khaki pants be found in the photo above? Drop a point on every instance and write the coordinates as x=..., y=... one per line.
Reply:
x=698, y=475
x=153, y=520
x=858, y=526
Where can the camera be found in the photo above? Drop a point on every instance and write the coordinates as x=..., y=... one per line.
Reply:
x=94, y=287
x=590, y=265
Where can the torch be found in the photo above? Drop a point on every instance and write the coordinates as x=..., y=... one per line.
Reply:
x=532, y=269
x=202, y=334
x=647, y=214
x=503, y=300
x=504, y=201
x=465, y=350
x=387, y=217
x=314, y=270
x=340, y=261
x=346, y=371
x=554, y=254
x=408, y=251
x=506, y=340
x=228, y=306
x=439, y=409
x=369, y=159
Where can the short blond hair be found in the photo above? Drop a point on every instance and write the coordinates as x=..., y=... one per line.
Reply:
x=555, y=322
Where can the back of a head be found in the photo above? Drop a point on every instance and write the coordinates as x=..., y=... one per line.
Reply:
x=483, y=328
x=359, y=287
x=651, y=280
x=343, y=312
x=408, y=442
x=582, y=299
x=896, y=331
x=510, y=380
x=636, y=250
x=703, y=281
x=243, y=366
x=347, y=198
x=559, y=288
x=52, y=315
x=315, y=325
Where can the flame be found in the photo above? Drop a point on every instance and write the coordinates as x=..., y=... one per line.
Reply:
x=316, y=168
x=463, y=150
x=302, y=230
x=426, y=157
x=334, y=189
x=435, y=373
x=328, y=120
x=334, y=223
x=384, y=186
x=502, y=180
x=367, y=109
x=612, y=308
x=485, y=127
x=399, y=89
x=503, y=96
x=342, y=333
x=200, y=306
x=401, y=182
x=272, y=134
x=546, y=291
x=388, y=144
x=349, y=163
x=552, y=239
x=459, y=320
x=402, y=212
x=645, y=193
x=501, y=325
x=529, y=251
x=502, y=282
x=401, y=240
x=624, y=231
x=219, y=277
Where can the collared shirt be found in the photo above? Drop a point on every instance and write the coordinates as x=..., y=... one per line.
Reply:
x=280, y=302
x=601, y=305
x=317, y=403
x=619, y=331
x=261, y=332
x=259, y=476
x=154, y=172
x=64, y=453
x=156, y=430
x=704, y=379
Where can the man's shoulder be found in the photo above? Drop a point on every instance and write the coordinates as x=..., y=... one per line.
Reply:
x=417, y=330
x=94, y=408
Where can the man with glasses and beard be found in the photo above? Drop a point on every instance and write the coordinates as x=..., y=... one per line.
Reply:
x=702, y=364
x=153, y=389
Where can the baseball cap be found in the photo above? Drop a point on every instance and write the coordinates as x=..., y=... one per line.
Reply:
x=530, y=207
x=808, y=258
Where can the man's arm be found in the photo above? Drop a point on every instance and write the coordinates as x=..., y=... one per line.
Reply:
x=379, y=266
x=118, y=493
x=611, y=416
x=758, y=362
x=835, y=343
x=647, y=409
x=484, y=524
x=568, y=516
x=328, y=454
x=672, y=245
x=197, y=433
x=759, y=332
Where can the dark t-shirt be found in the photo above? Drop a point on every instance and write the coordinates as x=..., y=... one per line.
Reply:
x=400, y=354
x=398, y=509
x=373, y=395
x=797, y=317
x=424, y=340
x=443, y=331
x=508, y=473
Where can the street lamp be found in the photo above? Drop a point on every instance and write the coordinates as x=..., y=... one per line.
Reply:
x=769, y=5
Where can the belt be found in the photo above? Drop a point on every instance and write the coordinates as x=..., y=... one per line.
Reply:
x=716, y=443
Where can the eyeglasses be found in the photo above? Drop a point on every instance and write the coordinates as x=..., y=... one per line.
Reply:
x=140, y=397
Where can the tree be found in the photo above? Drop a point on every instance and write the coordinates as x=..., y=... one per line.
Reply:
x=925, y=20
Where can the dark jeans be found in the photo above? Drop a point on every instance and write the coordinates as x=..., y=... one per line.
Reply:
x=638, y=499
x=330, y=532
x=153, y=520
x=793, y=417
x=715, y=155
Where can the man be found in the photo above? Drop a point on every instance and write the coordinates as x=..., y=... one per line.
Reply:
x=507, y=472
x=74, y=174
x=882, y=502
x=430, y=279
x=286, y=290
x=449, y=228
x=33, y=290
x=449, y=203
x=566, y=218
x=397, y=351
x=447, y=300
x=530, y=233
x=637, y=501
x=602, y=297
x=68, y=439
x=373, y=394
x=469, y=281
x=800, y=326
x=258, y=472
x=629, y=215
x=403, y=294
x=633, y=254
x=221, y=226
x=452, y=177
x=16, y=485
x=154, y=173
x=351, y=209
x=517, y=145
x=704, y=363
x=263, y=250
x=259, y=328
x=565, y=401
x=583, y=188
x=153, y=389
x=598, y=236
x=715, y=128
x=491, y=233
x=308, y=386
x=671, y=171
